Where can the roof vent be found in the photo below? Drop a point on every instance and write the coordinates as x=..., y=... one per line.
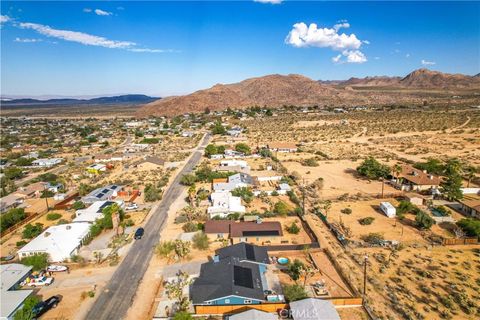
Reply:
x=46, y=234
x=69, y=227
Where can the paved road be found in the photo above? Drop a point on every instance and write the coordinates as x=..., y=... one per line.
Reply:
x=119, y=293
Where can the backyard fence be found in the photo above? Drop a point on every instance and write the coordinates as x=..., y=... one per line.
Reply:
x=463, y=241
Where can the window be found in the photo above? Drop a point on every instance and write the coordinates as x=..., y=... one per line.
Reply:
x=227, y=301
x=247, y=301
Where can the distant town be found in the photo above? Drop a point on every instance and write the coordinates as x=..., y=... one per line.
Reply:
x=252, y=214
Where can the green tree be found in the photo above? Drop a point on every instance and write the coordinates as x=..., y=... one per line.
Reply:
x=244, y=192
x=23, y=162
x=366, y=221
x=37, y=261
x=11, y=218
x=31, y=231
x=53, y=216
x=294, y=269
x=372, y=169
x=182, y=315
x=217, y=128
x=433, y=166
x=188, y=179
x=210, y=150
x=470, y=174
x=77, y=205
x=243, y=147
x=470, y=226
x=294, y=292
x=423, y=220
x=451, y=186
x=13, y=173
x=26, y=312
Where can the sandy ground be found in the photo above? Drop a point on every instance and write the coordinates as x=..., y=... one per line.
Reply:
x=338, y=178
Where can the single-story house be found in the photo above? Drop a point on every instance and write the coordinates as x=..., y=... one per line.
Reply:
x=11, y=201
x=239, y=180
x=54, y=187
x=471, y=205
x=96, y=168
x=33, y=190
x=224, y=203
x=255, y=232
x=233, y=154
x=414, y=198
x=95, y=210
x=12, y=299
x=50, y=162
x=282, y=147
x=313, y=309
x=104, y=193
x=59, y=242
x=413, y=179
x=234, y=166
x=233, y=277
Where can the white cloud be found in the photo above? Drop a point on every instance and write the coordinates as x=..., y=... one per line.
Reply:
x=407, y=55
x=26, y=40
x=343, y=24
x=354, y=56
x=75, y=36
x=303, y=36
x=366, y=41
x=4, y=19
x=86, y=39
x=337, y=58
x=100, y=12
x=376, y=58
x=428, y=63
x=87, y=10
x=269, y=1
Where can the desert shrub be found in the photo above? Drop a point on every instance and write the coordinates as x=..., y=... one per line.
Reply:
x=274, y=193
x=294, y=292
x=366, y=221
x=37, y=261
x=423, y=220
x=294, y=269
x=188, y=179
x=62, y=221
x=129, y=223
x=310, y=162
x=470, y=226
x=182, y=315
x=373, y=238
x=200, y=241
x=189, y=227
x=31, y=231
x=243, y=192
x=243, y=147
x=293, y=197
x=293, y=228
x=20, y=243
x=53, y=216
x=346, y=211
x=77, y=205
x=150, y=140
x=151, y=193
x=281, y=208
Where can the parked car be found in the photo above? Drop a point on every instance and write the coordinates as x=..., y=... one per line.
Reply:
x=37, y=282
x=132, y=206
x=139, y=233
x=42, y=307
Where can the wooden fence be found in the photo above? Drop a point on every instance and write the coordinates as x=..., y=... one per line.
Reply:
x=64, y=204
x=464, y=241
x=230, y=309
x=345, y=301
x=23, y=222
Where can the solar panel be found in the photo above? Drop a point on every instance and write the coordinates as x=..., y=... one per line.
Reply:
x=261, y=233
x=250, y=252
x=242, y=277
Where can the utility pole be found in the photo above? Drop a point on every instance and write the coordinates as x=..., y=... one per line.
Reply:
x=383, y=184
x=365, y=276
x=303, y=196
x=46, y=195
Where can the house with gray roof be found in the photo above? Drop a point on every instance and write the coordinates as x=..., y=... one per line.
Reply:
x=12, y=299
x=313, y=309
x=102, y=194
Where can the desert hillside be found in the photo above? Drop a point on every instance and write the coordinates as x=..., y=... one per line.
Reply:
x=278, y=90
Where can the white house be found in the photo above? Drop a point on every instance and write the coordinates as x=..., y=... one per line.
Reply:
x=388, y=209
x=95, y=211
x=47, y=162
x=224, y=203
x=12, y=299
x=238, y=180
x=59, y=242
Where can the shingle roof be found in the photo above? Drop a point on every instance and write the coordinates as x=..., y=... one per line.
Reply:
x=253, y=314
x=225, y=278
x=245, y=252
x=418, y=177
x=242, y=229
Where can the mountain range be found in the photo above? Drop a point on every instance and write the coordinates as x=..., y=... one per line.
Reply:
x=121, y=99
x=278, y=90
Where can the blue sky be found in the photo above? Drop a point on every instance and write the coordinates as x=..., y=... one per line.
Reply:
x=163, y=48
